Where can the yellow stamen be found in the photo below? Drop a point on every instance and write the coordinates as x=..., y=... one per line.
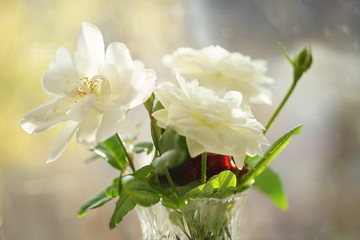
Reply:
x=92, y=86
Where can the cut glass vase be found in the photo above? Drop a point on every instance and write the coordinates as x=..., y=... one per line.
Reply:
x=200, y=219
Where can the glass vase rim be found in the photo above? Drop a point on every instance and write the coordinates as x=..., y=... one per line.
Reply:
x=230, y=197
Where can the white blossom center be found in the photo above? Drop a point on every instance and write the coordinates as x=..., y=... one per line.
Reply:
x=89, y=86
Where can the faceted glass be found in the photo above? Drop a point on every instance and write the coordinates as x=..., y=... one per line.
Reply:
x=206, y=219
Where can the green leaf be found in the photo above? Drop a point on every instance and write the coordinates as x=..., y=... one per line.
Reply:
x=184, y=189
x=174, y=203
x=270, y=154
x=113, y=190
x=168, y=160
x=286, y=55
x=124, y=205
x=172, y=140
x=150, y=103
x=162, y=190
x=174, y=152
x=143, y=147
x=203, y=191
x=92, y=158
x=169, y=140
x=140, y=190
x=100, y=199
x=125, y=202
x=223, y=183
x=143, y=172
x=158, y=106
x=112, y=151
x=269, y=183
x=94, y=202
x=250, y=161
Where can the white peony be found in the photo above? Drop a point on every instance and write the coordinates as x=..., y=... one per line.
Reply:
x=91, y=91
x=218, y=69
x=211, y=122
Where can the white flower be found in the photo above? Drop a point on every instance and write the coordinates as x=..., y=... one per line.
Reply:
x=92, y=91
x=211, y=122
x=218, y=69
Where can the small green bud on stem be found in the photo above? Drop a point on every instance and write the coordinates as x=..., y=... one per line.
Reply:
x=301, y=63
x=303, y=59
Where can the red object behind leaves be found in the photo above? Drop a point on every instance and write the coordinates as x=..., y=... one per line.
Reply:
x=215, y=164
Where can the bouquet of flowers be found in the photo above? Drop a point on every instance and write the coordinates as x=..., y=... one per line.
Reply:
x=206, y=143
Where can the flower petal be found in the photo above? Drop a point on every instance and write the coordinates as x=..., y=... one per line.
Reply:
x=62, y=140
x=46, y=115
x=144, y=82
x=214, y=53
x=211, y=122
x=119, y=80
x=194, y=147
x=162, y=117
x=239, y=160
x=91, y=51
x=80, y=111
x=61, y=73
x=125, y=97
x=218, y=69
x=86, y=134
x=109, y=123
x=137, y=88
x=66, y=65
x=54, y=81
x=118, y=55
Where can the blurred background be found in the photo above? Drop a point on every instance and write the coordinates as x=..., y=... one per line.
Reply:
x=320, y=168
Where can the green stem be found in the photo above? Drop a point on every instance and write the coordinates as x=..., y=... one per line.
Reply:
x=169, y=179
x=281, y=105
x=149, y=104
x=155, y=136
x=203, y=167
x=130, y=160
x=120, y=184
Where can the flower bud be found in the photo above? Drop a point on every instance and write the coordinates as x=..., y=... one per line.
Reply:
x=303, y=59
